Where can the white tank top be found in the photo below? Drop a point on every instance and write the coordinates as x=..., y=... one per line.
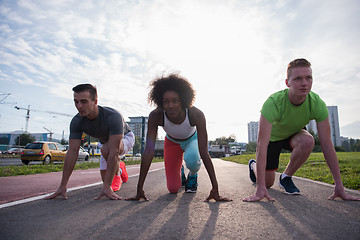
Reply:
x=179, y=131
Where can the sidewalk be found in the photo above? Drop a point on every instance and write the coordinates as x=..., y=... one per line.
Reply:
x=186, y=216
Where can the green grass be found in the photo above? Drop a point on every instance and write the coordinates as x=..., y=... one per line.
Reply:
x=315, y=167
x=7, y=171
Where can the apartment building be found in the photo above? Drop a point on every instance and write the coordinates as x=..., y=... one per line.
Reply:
x=253, y=128
x=334, y=125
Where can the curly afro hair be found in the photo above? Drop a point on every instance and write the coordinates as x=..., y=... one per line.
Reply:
x=172, y=82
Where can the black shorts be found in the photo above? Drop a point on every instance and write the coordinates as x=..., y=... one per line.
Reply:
x=273, y=153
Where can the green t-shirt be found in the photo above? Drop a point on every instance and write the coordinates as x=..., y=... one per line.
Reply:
x=288, y=119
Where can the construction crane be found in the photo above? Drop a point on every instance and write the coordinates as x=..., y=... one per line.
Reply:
x=2, y=100
x=50, y=132
x=28, y=114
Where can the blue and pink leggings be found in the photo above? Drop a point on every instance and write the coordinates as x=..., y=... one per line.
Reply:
x=174, y=152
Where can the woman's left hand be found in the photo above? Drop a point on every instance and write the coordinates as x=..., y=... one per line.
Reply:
x=214, y=194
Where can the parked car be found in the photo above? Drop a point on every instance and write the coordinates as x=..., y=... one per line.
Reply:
x=14, y=151
x=83, y=154
x=46, y=152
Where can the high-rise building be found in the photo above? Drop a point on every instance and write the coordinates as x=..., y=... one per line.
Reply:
x=136, y=125
x=312, y=126
x=253, y=128
x=334, y=125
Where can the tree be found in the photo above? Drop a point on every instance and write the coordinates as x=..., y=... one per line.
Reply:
x=251, y=147
x=137, y=145
x=354, y=145
x=24, y=139
x=346, y=146
x=223, y=141
x=64, y=142
x=339, y=149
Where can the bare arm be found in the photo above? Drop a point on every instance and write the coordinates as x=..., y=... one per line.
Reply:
x=261, y=156
x=329, y=151
x=199, y=120
x=148, y=154
x=332, y=160
x=69, y=164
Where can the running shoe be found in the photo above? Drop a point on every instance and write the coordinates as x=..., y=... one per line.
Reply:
x=251, y=172
x=191, y=185
x=116, y=183
x=287, y=184
x=124, y=174
x=183, y=177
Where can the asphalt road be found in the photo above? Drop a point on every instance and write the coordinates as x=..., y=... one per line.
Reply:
x=186, y=216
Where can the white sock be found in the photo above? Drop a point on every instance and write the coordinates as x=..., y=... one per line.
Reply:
x=284, y=175
x=251, y=165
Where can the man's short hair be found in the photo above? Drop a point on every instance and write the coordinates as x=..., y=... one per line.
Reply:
x=300, y=62
x=86, y=87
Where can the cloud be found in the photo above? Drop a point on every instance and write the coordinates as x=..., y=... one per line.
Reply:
x=234, y=52
x=352, y=129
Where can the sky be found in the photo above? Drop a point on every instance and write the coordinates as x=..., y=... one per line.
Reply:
x=234, y=53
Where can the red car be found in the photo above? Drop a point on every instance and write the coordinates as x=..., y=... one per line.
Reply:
x=14, y=151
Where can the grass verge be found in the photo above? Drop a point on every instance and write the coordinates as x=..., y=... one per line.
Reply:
x=7, y=171
x=315, y=167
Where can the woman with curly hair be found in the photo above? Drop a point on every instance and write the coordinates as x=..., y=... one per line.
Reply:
x=186, y=137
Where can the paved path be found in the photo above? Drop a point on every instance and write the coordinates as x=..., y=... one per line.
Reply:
x=185, y=216
x=28, y=186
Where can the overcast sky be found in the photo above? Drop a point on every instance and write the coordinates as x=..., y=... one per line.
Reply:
x=235, y=54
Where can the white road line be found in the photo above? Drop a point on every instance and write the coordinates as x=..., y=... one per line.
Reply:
x=31, y=199
x=97, y=171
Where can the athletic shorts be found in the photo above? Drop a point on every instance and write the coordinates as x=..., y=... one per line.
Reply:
x=128, y=140
x=273, y=153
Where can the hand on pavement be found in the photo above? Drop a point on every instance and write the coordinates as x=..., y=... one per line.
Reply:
x=214, y=194
x=108, y=192
x=260, y=194
x=61, y=191
x=341, y=194
x=140, y=195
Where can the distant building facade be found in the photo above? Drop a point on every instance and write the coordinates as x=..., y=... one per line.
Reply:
x=253, y=128
x=7, y=139
x=334, y=125
x=136, y=125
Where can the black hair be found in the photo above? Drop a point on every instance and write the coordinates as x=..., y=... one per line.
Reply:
x=86, y=87
x=172, y=82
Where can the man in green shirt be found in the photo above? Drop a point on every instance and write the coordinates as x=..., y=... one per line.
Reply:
x=282, y=123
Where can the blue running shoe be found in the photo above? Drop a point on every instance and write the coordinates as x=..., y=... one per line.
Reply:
x=183, y=177
x=251, y=172
x=191, y=185
x=287, y=184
